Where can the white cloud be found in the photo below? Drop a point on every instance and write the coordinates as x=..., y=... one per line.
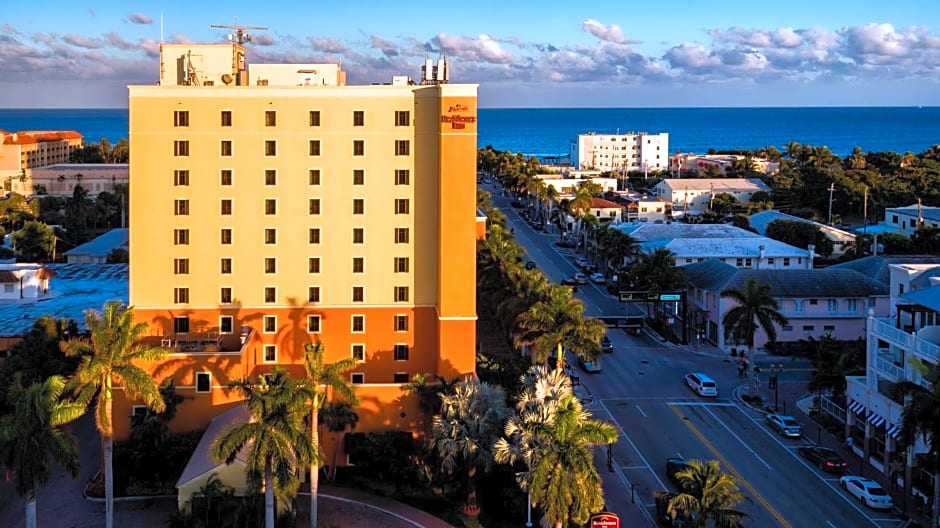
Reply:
x=483, y=48
x=139, y=18
x=607, y=33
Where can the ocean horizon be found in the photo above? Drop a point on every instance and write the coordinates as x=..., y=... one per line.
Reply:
x=547, y=132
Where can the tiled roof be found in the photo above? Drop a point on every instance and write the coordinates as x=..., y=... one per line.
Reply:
x=878, y=267
x=102, y=245
x=35, y=136
x=600, y=203
x=7, y=276
x=923, y=280
x=732, y=247
x=200, y=462
x=829, y=282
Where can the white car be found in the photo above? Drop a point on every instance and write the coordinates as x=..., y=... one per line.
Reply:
x=702, y=384
x=581, y=262
x=598, y=278
x=784, y=425
x=867, y=491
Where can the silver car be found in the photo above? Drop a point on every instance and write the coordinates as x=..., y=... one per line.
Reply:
x=784, y=425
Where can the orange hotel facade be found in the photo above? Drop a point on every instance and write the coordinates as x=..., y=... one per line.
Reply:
x=272, y=206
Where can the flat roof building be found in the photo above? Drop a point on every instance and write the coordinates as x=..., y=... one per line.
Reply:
x=633, y=151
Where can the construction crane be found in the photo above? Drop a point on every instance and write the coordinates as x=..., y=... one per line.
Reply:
x=240, y=35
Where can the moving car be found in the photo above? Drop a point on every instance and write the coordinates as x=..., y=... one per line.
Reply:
x=598, y=278
x=702, y=384
x=530, y=265
x=591, y=367
x=824, y=458
x=784, y=425
x=606, y=345
x=682, y=519
x=674, y=466
x=867, y=491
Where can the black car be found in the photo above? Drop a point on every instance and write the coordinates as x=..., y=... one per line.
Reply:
x=673, y=467
x=606, y=345
x=682, y=519
x=530, y=265
x=824, y=458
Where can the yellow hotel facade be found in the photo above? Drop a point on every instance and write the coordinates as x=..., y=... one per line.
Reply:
x=273, y=205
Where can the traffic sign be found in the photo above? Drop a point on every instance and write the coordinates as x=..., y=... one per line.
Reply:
x=670, y=297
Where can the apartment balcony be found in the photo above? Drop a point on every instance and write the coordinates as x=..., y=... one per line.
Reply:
x=910, y=342
x=887, y=365
x=210, y=342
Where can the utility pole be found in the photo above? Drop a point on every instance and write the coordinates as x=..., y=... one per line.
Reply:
x=832, y=187
x=865, y=210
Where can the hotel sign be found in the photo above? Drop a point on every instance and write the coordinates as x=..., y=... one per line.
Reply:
x=457, y=116
x=604, y=520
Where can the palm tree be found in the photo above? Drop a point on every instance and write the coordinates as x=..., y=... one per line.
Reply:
x=554, y=439
x=107, y=356
x=464, y=433
x=921, y=416
x=330, y=377
x=32, y=438
x=555, y=322
x=756, y=308
x=277, y=441
x=708, y=493
x=339, y=416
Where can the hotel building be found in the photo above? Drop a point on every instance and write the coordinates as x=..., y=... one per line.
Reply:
x=273, y=205
x=633, y=151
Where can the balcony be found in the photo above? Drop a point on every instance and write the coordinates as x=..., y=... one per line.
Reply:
x=211, y=342
x=907, y=341
x=889, y=368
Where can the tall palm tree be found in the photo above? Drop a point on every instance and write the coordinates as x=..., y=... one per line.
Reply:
x=554, y=439
x=107, y=356
x=463, y=435
x=276, y=439
x=338, y=417
x=556, y=322
x=756, y=308
x=708, y=493
x=330, y=377
x=620, y=246
x=32, y=438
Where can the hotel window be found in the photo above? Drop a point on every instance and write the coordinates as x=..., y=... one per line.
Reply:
x=402, y=177
x=401, y=352
x=181, y=118
x=226, y=324
x=226, y=206
x=359, y=177
x=402, y=118
x=313, y=324
x=181, y=178
x=181, y=325
x=270, y=177
x=270, y=294
x=314, y=177
x=225, y=148
x=181, y=266
x=270, y=265
x=400, y=377
x=226, y=118
x=270, y=206
x=401, y=323
x=270, y=324
x=180, y=295
x=402, y=147
x=225, y=295
x=359, y=147
x=225, y=266
x=401, y=293
x=358, y=294
x=401, y=206
x=225, y=177
x=401, y=235
x=359, y=118
x=357, y=378
x=359, y=265
x=181, y=237
x=314, y=235
x=270, y=118
x=180, y=207
x=313, y=294
x=401, y=264
x=270, y=147
x=203, y=382
x=359, y=206
x=358, y=323
x=314, y=148
x=270, y=353
x=358, y=352
x=313, y=265
x=314, y=118
x=181, y=148
x=314, y=205
x=225, y=236
x=270, y=235
x=359, y=235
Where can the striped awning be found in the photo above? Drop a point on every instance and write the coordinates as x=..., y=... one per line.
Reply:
x=875, y=419
x=894, y=431
x=856, y=407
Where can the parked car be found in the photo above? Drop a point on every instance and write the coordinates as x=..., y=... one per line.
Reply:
x=702, y=384
x=580, y=278
x=673, y=467
x=606, y=345
x=784, y=425
x=598, y=278
x=530, y=265
x=581, y=262
x=867, y=491
x=824, y=458
x=682, y=518
x=589, y=366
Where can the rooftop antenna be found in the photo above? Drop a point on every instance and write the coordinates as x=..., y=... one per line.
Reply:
x=240, y=35
x=161, y=28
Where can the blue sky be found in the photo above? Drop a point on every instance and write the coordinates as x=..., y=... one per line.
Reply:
x=522, y=53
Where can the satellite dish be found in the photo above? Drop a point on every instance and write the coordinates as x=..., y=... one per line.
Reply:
x=226, y=78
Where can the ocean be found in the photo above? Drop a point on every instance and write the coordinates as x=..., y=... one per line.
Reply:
x=549, y=131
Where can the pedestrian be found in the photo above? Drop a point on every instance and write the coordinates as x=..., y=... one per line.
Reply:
x=849, y=442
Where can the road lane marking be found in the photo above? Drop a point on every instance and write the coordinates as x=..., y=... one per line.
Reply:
x=738, y=438
x=635, y=449
x=708, y=445
x=641, y=411
x=830, y=524
x=700, y=404
x=633, y=467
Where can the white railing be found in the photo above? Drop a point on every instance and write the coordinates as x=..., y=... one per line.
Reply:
x=830, y=407
x=926, y=348
x=890, y=333
x=887, y=366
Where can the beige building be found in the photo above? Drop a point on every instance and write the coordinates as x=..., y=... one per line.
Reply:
x=62, y=178
x=268, y=211
x=20, y=152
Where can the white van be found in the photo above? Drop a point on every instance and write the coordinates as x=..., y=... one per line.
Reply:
x=702, y=384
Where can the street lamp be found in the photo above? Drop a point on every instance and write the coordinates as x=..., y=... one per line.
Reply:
x=775, y=370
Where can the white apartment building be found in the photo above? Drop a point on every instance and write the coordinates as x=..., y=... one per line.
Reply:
x=633, y=151
x=694, y=195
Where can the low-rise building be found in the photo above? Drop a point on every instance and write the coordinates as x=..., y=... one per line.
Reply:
x=61, y=179
x=694, y=195
x=907, y=220
x=841, y=240
x=96, y=251
x=606, y=211
x=698, y=163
